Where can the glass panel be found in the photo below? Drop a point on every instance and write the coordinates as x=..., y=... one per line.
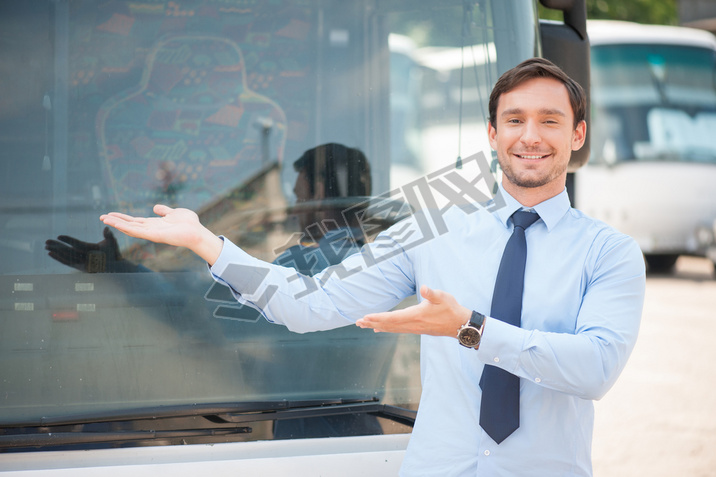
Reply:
x=270, y=119
x=653, y=102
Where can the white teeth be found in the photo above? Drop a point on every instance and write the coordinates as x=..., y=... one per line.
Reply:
x=531, y=157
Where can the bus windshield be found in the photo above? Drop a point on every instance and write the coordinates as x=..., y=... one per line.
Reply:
x=272, y=120
x=653, y=103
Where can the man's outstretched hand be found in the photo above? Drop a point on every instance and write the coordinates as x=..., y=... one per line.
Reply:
x=439, y=314
x=103, y=256
x=178, y=227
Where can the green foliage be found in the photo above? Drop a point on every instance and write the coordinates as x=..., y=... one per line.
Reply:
x=661, y=12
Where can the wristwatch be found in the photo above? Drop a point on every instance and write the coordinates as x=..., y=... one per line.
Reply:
x=470, y=334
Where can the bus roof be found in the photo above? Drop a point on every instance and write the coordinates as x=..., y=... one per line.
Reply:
x=610, y=32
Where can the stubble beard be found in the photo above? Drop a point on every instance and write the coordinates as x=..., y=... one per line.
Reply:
x=529, y=180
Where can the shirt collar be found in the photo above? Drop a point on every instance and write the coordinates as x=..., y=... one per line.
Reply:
x=550, y=211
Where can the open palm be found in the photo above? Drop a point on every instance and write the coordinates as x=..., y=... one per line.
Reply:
x=439, y=314
x=180, y=227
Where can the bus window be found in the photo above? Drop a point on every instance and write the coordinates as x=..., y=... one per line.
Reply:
x=656, y=100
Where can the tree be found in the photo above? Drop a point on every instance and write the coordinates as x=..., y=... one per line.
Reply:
x=661, y=12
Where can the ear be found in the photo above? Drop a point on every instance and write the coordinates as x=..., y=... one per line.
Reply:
x=492, y=135
x=319, y=189
x=579, y=135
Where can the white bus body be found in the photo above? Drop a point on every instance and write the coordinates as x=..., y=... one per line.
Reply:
x=653, y=154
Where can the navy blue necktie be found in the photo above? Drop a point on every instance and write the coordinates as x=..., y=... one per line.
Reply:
x=500, y=408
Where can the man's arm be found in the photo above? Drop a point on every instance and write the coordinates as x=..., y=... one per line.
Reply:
x=585, y=363
x=377, y=278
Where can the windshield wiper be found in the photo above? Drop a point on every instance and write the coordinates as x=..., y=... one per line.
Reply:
x=222, y=419
x=321, y=408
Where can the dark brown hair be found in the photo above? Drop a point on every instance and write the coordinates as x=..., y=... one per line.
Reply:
x=538, y=68
x=344, y=171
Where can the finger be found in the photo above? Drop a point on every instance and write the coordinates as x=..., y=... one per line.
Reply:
x=432, y=295
x=54, y=246
x=78, y=244
x=369, y=324
x=370, y=321
x=122, y=223
x=133, y=229
x=109, y=219
x=63, y=249
x=388, y=320
x=62, y=259
x=66, y=255
x=110, y=246
x=111, y=242
x=53, y=243
x=162, y=210
x=363, y=323
x=110, y=238
x=427, y=293
x=120, y=216
x=390, y=316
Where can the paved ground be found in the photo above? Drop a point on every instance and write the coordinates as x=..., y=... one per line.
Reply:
x=660, y=417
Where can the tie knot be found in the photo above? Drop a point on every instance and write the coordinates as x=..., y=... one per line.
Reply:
x=524, y=219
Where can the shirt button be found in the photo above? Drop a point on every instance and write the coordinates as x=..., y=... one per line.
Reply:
x=496, y=359
x=487, y=452
x=538, y=380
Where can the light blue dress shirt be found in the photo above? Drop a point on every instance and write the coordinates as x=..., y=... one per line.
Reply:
x=583, y=297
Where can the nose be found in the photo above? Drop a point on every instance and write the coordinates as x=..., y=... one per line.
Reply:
x=530, y=133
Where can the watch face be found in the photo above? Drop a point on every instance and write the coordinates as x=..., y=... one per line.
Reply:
x=469, y=337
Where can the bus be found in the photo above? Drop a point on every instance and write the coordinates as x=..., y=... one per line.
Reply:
x=653, y=158
x=118, y=355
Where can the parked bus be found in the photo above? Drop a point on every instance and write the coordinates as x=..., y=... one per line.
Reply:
x=653, y=158
x=119, y=356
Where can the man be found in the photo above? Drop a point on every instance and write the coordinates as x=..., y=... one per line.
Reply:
x=330, y=176
x=581, y=305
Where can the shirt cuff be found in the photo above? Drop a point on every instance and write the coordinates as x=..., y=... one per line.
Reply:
x=501, y=344
x=228, y=252
x=238, y=270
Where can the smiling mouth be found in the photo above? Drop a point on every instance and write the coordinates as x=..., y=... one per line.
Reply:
x=531, y=156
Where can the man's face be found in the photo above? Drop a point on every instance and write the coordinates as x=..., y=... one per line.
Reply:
x=302, y=188
x=534, y=136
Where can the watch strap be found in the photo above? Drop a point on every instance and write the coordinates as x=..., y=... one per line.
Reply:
x=477, y=320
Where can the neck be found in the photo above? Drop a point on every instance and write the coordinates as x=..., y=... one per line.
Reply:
x=531, y=196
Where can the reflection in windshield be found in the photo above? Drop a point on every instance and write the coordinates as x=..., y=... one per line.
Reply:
x=280, y=123
x=655, y=102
